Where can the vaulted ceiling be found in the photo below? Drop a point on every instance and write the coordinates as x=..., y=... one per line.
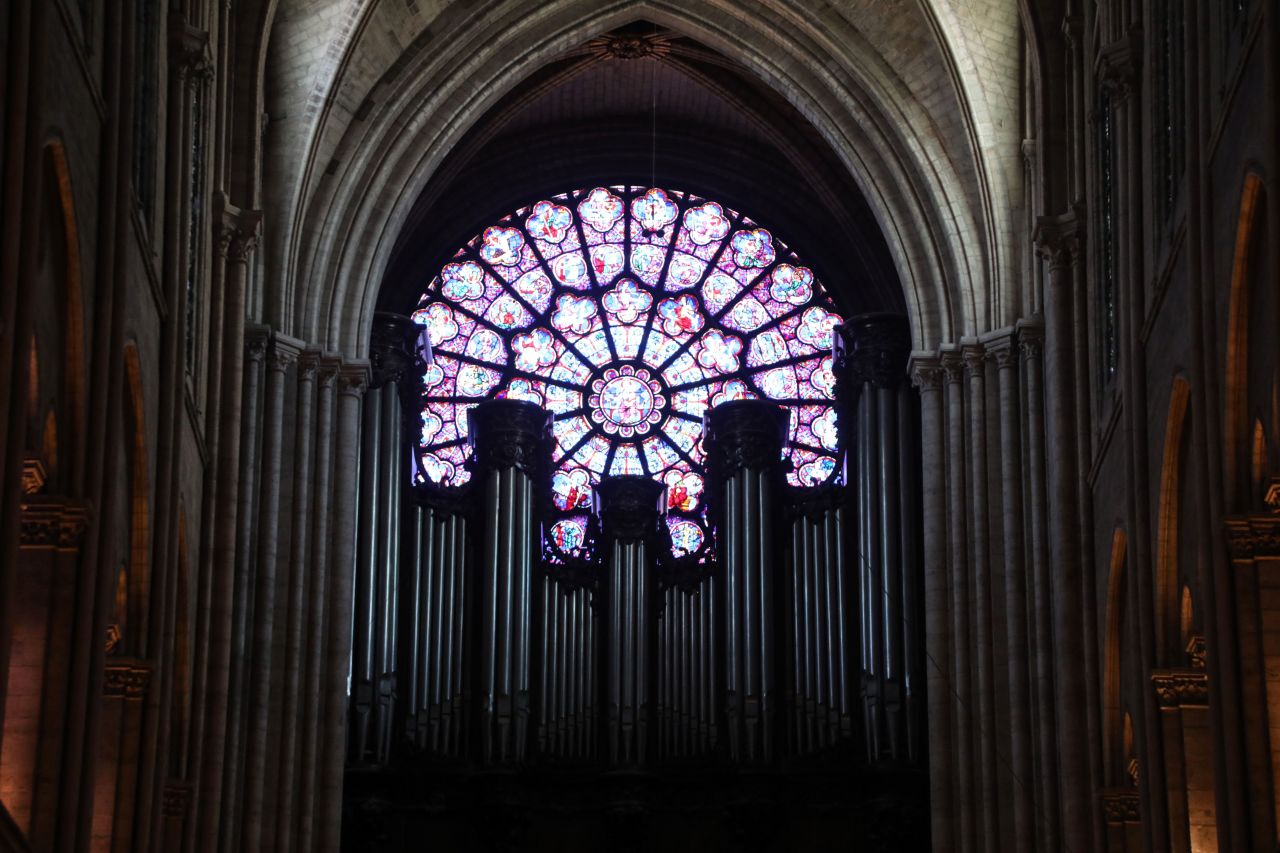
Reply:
x=881, y=137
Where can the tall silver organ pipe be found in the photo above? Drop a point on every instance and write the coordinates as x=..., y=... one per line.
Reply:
x=629, y=509
x=878, y=417
x=383, y=467
x=744, y=441
x=511, y=441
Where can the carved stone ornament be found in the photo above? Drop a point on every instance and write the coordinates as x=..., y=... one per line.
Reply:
x=255, y=343
x=1271, y=494
x=1196, y=653
x=927, y=373
x=189, y=50
x=1177, y=688
x=873, y=348
x=353, y=379
x=33, y=475
x=629, y=506
x=510, y=434
x=1118, y=65
x=129, y=680
x=1253, y=536
x=745, y=434
x=177, y=798
x=1120, y=806
x=308, y=364
x=57, y=524
x=1031, y=341
x=391, y=348
x=238, y=233
x=628, y=46
x=1058, y=240
x=1132, y=769
x=952, y=366
x=281, y=356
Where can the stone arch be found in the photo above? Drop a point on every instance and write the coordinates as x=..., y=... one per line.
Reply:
x=1168, y=586
x=346, y=219
x=1237, y=428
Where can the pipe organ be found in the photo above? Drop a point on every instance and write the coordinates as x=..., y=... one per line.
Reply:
x=795, y=636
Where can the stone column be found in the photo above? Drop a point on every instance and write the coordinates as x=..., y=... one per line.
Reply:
x=352, y=381
x=744, y=440
x=299, y=565
x=383, y=470
x=629, y=508
x=237, y=240
x=877, y=419
x=511, y=440
x=282, y=356
x=927, y=375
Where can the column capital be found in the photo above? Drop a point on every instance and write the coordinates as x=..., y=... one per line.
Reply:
x=391, y=348
x=952, y=363
x=1058, y=239
x=52, y=522
x=1120, y=805
x=629, y=506
x=256, y=339
x=1117, y=65
x=190, y=55
x=238, y=231
x=128, y=678
x=873, y=348
x=1002, y=348
x=1031, y=338
x=974, y=356
x=509, y=433
x=1178, y=688
x=926, y=372
x=745, y=434
x=283, y=354
x=353, y=378
x=327, y=367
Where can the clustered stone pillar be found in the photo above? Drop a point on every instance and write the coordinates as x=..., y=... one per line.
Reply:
x=511, y=440
x=879, y=420
x=629, y=508
x=744, y=440
x=384, y=466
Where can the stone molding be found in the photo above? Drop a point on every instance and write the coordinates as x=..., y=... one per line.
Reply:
x=1120, y=805
x=129, y=679
x=1180, y=688
x=745, y=434
x=53, y=523
x=1252, y=536
x=629, y=506
x=510, y=434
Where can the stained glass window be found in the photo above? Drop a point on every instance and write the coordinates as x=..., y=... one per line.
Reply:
x=627, y=312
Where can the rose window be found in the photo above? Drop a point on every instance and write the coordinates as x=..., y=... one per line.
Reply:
x=627, y=312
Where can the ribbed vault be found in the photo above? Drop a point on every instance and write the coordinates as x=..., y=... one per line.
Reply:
x=366, y=101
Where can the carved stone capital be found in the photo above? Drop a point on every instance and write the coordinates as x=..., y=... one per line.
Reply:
x=326, y=372
x=391, y=348
x=745, y=434
x=1058, y=239
x=1271, y=494
x=1118, y=65
x=189, y=52
x=510, y=434
x=238, y=233
x=629, y=507
x=926, y=373
x=353, y=379
x=1031, y=341
x=308, y=364
x=256, y=339
x=952, y=364
x=53, y=523
x=1177, y=688
x=1253, y=536
x=873, y=348
x=129, y=679
x=974, y=356
x=1120, y=805
x=281, y=356
x=1003, y=350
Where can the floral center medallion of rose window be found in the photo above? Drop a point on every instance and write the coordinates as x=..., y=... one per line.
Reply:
x=626, y=401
